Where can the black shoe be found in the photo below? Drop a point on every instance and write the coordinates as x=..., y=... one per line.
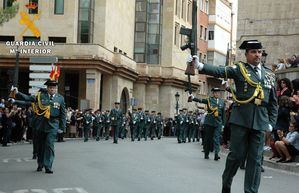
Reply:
x=48, y=171
x=138, y=139
x=39, y=169
x=179, y=142
x=262, y=169
x=34, y=156
x=225, y=190
x=207, y=157
x=280, y=160
x=216, y=158
x=115, y=142
x=287, y=161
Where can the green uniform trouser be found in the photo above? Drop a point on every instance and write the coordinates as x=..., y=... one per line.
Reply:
x=86, y=133
x=217, y=139
x=244, y=141
x=107, y=132
x=145, y=131
x=133, y=130
x=35, y=141
x=181, y=131
x=191, y=132
x=98, y=132
x=159, y=131
x=46, y=154
x=209, y=139
x=139, y=130
x=115, y=132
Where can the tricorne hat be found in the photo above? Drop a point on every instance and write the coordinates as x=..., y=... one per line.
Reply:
x=251, y=44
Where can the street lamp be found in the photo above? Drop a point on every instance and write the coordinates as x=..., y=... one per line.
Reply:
x=177, y=97
x=264, y=57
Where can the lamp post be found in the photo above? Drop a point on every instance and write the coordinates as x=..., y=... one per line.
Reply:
x=177, y=97
x=16, y=68
x=264, y=57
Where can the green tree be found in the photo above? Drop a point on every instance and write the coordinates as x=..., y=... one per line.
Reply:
x=9, y=12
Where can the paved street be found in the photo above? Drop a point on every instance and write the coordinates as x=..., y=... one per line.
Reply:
x=139, y=167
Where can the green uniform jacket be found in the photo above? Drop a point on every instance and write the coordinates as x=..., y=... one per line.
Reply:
x=87, y=121
x=116, y=116
x=57, y=112
x=249, y=115
x=210, y=119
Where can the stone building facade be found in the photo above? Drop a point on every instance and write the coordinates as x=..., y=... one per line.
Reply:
x=97, y=47
x=273, y=22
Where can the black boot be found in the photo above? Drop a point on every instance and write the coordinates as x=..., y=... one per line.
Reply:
x=216, y=158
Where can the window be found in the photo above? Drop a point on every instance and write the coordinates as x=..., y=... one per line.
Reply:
x=205, y=35
x=201, y=31
x=7, y=3
x=31, y=39
x=59, y=7
x=211, y=35
x=34, y=10
x=86, y=21
x=7, y=38
x=147, y=31
x=58, y=39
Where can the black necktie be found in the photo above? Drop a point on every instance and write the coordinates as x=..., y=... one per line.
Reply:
x=256, y=71
x=51, y=97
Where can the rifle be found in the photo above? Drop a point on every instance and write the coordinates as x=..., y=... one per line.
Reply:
x=192, y=45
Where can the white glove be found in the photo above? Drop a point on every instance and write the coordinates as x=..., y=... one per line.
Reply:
x=11, y=100
x=197, y=64
x=191, y=96
x=14, y=89
x=270, y=128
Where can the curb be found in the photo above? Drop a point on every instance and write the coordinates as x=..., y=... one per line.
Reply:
x=289, y=167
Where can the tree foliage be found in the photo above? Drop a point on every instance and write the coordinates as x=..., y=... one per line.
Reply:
x=9, y=12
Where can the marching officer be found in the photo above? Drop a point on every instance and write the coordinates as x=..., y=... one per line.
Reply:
x=134, y=124
x=50, y=116
x=141, y=123
x=153, y=125
x=98, y=124
x=254, y=111
x=147, y=125
x=180, y=121
x=122, y=131
x=160, y=124
x=190, y=126
x=107, y=124
x=214, y=121
x=116, y=117
x=185, y=124
x=87, y=123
